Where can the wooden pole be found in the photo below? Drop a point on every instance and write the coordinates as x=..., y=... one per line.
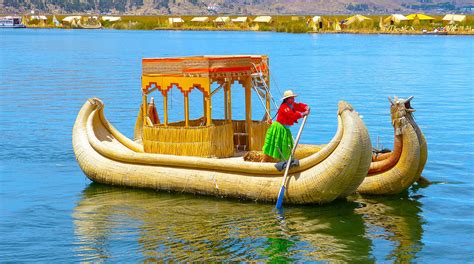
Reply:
x=248, y=110
x=281, y=194
x=207, y=102
x=186, y=110
x=145, y=107
x=165, y=109
x=227, y=101
x=267, y=96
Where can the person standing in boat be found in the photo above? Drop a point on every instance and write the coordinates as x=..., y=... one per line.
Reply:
x=279, y=141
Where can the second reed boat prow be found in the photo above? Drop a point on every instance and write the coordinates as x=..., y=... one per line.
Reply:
x=393, y=172
x=205, y=155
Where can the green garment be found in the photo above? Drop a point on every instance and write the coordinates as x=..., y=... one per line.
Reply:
x=278, y=137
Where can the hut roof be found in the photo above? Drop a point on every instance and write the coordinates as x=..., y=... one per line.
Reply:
x=419, y=16
x=316, y=19
x=222, y=19
x=174, y=20
x=38, y=17
x=455, y=18
x=111, y=18
x=356, y=18
x=263, y=19
x=239, y=20
x=69, y=19
x=397, y=18
x=200, y=19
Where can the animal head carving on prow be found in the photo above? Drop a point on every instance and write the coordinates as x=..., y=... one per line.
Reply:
x=400, y=110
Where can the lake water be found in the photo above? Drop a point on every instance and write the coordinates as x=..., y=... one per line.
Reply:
x=50, y=212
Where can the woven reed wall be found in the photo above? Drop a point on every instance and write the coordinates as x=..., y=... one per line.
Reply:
x=259, y=131
x=209, y=141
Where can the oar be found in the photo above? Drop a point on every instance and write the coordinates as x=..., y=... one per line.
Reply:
x=281, y=194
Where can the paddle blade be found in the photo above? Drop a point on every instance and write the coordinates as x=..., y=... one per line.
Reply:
x=281, y=195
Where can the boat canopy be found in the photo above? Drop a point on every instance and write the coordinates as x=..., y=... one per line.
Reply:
x=198, y=73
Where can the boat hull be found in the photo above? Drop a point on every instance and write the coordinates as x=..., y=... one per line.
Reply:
x=409, y=164
x=107, y=157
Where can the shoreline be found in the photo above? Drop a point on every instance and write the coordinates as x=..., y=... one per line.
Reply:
x=286, y=24
x=355, y=32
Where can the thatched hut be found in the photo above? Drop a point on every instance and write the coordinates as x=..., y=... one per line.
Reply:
x=175, y=21
x=395, y=19
x=316, y=23
x=200, y=19
x=70, y=19
x=453, y=19
x=222, y=20
x=263, y=19
x=356, y=19
x=111, y=18
x=239, y=20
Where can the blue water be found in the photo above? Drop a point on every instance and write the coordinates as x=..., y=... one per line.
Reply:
x=50, y=212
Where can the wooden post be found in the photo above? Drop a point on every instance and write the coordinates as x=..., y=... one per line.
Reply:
x=267, y=95
x=207, y=102
x=145, y=107
x=227, y=101
x=268, y=106
x=248, y=110
x=186, y=110
x=165, y=109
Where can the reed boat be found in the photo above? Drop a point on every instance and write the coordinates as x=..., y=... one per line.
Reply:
x=205, y=156
x=395, y=171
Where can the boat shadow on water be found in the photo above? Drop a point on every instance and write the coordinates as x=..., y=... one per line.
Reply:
x=114, y=224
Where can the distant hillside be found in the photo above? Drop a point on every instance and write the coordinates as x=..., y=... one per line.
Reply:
x=235, y=7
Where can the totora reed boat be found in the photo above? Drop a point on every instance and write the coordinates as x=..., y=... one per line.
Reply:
x=395, y=171
x=205, y=155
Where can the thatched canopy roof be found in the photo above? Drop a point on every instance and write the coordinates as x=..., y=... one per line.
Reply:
x=454, y=18
x=69, y=19
x=396, y=18
x=239, y=20
x=175, y=20
x=419, y=16
x=222, y=19
x=263, y=19
x=356, y=19
x=200, y=19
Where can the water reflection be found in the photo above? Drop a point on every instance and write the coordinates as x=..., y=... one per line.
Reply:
x=115, y=224
x=395, y=219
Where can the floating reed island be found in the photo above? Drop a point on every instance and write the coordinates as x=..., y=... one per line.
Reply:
x=369, y=24
x=205, y=156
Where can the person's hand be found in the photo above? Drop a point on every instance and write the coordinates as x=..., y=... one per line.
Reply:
x=305, y=113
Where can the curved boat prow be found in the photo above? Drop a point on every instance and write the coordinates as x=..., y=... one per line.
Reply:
x=394, y=172
x=107, y=156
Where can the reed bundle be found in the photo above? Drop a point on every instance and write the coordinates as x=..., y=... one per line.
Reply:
x=259, y=131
